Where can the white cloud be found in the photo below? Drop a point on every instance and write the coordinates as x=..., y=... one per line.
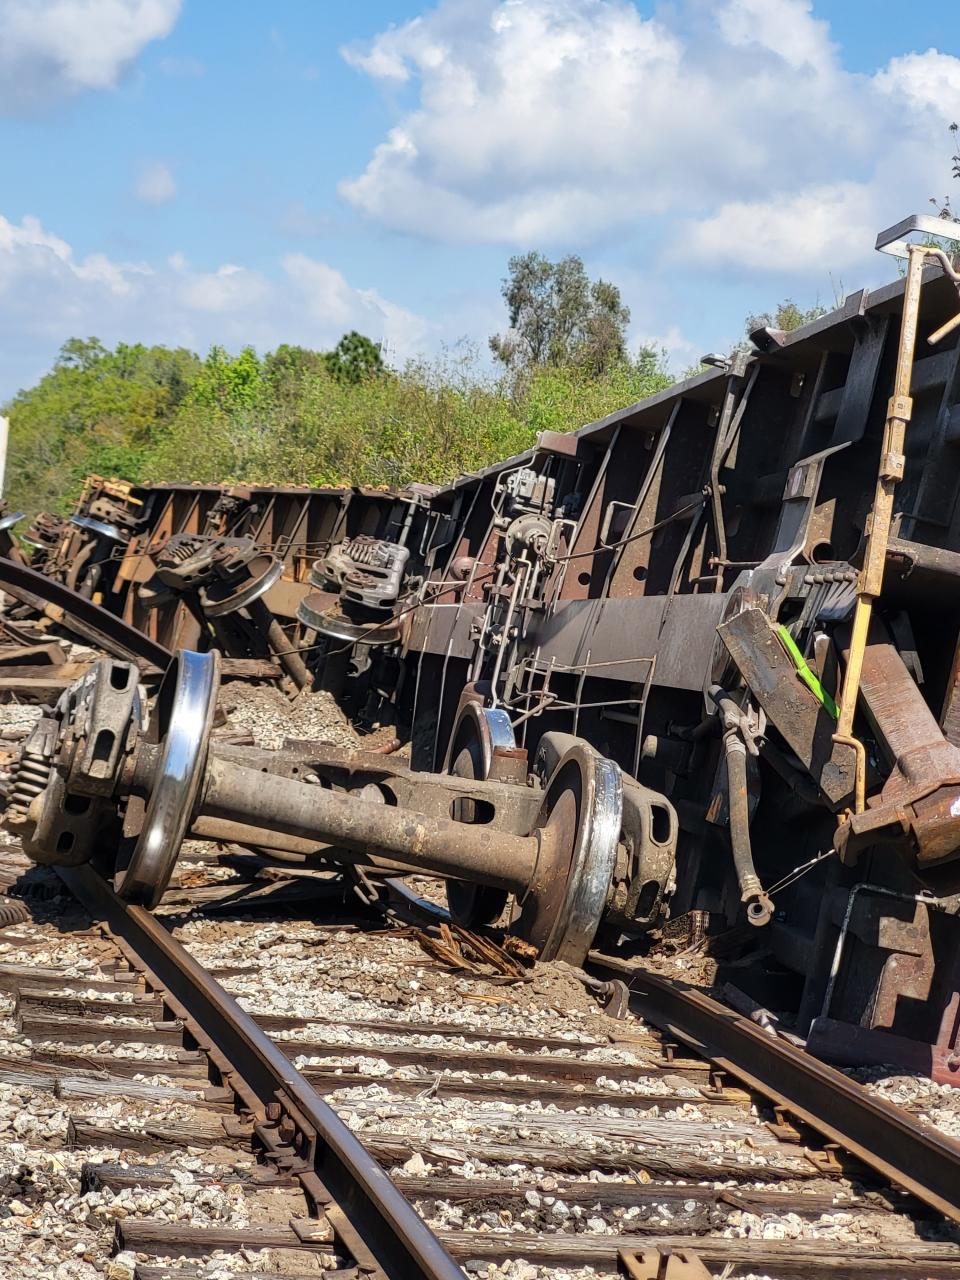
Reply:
x=559, y=119
x=514, y=99
x=679, y=349
x=48, y=294
x=929, y=81
x=31, y=255
x=539, y=122
x=50, y=49
x=786, y=28
x=225, y=291
x=816, y=229
x=156, y=184
x=336, y=305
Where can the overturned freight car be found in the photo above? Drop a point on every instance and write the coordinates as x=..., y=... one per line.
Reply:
x=702, y=656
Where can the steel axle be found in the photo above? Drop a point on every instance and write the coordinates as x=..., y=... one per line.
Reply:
x=365, y=828
x=98, y=770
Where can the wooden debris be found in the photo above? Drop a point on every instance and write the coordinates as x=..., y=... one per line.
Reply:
x=460, y=949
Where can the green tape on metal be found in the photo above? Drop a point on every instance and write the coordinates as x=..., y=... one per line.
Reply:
x=805, y=673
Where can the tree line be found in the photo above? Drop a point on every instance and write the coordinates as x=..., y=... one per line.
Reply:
x=298, y=416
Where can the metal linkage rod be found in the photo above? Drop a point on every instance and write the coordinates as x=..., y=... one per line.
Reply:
x=890, y=472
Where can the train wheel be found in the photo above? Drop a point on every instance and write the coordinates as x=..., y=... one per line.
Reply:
x=154, y=831
x=477, y=732
x=579, y=826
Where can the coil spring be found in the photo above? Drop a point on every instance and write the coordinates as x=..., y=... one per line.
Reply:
x=176, y=552
x=184, y=550
x=12, y=911
x=29, y=776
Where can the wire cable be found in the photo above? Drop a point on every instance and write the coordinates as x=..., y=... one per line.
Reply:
x=634, y=537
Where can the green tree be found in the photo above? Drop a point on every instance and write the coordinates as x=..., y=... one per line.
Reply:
x=558, y=316
x=228, y=382
x=80, y=353
x=787, y=316
x=95, y=411
x=286, y=368
x=294, y=416
x=428, y=421
x=354, y=359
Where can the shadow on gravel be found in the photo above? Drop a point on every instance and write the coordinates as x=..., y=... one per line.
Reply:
x=38, y=894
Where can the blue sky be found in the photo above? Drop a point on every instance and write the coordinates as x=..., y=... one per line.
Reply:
x=188, y=171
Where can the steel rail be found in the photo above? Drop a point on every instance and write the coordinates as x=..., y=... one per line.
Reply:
x=81, y=615
x=376, y=1224
x=921, y=1160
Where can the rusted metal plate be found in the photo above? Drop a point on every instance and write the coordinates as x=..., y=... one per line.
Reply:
x=662, y=1264
x=918, y=808
x=847, y=1045
x=803, y=721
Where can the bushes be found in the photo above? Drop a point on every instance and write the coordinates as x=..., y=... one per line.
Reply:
x=292, y=417
x=95, y=411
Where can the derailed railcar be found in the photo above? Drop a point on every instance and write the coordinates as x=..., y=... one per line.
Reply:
x=239, y=568
x=676, y=584
x=678, y=592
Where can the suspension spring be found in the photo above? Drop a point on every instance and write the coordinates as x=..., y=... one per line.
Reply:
x=29, y=776
x=13, y=911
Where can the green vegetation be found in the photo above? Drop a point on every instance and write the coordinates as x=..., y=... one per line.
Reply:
x=786, y=317
x=295, y=416
x=558, y=317
x=95, y=411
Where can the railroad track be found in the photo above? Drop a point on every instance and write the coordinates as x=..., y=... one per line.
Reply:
x=500, y=1134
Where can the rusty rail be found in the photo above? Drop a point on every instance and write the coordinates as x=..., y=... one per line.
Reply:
x=884, y=1137
x=374, y=1222
x=81, y=615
